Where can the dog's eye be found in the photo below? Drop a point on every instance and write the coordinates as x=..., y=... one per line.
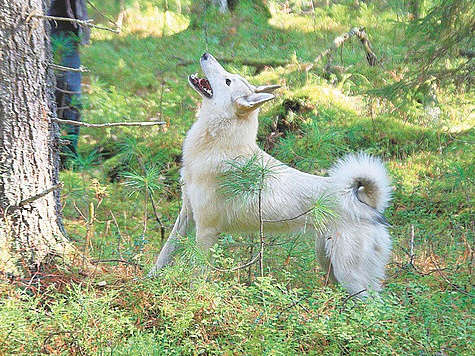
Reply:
x=228, y=82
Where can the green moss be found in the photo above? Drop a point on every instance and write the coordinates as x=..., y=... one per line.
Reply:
x=135, y=76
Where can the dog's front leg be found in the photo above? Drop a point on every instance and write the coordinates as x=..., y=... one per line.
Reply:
x=206, y=238
x=183, y=225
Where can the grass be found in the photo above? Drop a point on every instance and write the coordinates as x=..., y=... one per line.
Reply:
x=426, y=305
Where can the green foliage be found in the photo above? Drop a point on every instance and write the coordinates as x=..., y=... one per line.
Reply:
x=149, y=180
x=324, y=212
x=63, y=45
x=244, y=178
x=82, y=161
x=426, y=307
x=168, y=316
x=435, y=55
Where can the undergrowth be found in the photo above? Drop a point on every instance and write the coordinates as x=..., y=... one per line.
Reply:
x=124, y=186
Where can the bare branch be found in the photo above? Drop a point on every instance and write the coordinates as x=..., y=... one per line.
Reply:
x=85, y=23
x=108, y=124
x=467, y=53
x=118, y=229
x=30, y=200
x=68, y=69
x=67, y=91
x=411, y=256
x=261, y=232
x=350, y=297
x=234, y=269
x=162, y=227
x=259, y=64
x=102, y=14
x=444, y=277
x=340, y=40
x=289, y=219
x=40, y=195
x=117, y=261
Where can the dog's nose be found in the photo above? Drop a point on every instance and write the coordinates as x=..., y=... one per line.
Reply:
x=205, y=56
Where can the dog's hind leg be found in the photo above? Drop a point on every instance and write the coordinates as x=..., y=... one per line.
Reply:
x=358, y=255
x=183, y=225
x=322, y=257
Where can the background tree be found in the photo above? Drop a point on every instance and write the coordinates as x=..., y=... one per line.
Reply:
x=66, y=38
x=415, y=7
x=440, y=55
x=30, y=221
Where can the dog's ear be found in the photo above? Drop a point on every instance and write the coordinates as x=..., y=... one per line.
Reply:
x=266, y=88
x=248, y=103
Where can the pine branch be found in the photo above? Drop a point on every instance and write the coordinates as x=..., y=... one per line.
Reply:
x=109, y=124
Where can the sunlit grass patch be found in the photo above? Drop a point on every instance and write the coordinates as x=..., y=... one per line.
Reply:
x=151, y=20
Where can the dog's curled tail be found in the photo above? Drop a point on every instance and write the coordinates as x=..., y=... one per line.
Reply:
x=362, y=185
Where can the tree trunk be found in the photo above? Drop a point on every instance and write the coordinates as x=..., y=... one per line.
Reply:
x=30, y=229
x=223, y=5
x=415, y=8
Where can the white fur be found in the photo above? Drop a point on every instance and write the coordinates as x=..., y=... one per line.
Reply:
x=355, y=246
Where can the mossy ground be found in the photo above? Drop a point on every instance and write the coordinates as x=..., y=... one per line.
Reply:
x=426, y=306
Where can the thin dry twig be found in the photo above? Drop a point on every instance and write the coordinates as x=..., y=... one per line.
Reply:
x=118, y=229
x=109, y=124
x=261, y=235
x=85, y=23
x=295, y=302
x=237, y=268
x=40, y=195
x=411, y=256
x=81, y=69
x=327, y=276
x=259, y=64
x=162, y=227
x=102, y=14
x=444, y=277
x=67, y=91
x=340, y=40
x=32, y=199
x=71, y=333
x=289, y=219
x=112, y=260
x=350, y=297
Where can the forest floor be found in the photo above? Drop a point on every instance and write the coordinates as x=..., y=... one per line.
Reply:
x=137, y=75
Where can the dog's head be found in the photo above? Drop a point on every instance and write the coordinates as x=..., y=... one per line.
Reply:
x=228, y=94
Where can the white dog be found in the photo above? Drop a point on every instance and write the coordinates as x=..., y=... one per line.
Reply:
x=354, y=247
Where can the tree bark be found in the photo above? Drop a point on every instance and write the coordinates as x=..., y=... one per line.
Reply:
x=415, y=8
x=30, y=219
x=223, y=5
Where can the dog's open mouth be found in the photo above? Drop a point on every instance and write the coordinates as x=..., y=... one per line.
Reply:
x=201, y=84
